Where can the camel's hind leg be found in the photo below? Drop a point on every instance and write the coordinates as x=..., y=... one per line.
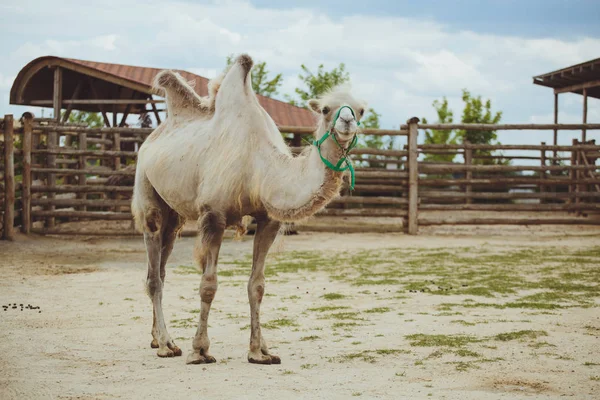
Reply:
x=266, y=232
x=211, y=227
x=168, y=235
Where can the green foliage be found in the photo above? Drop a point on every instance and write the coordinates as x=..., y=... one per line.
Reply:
x=434, y=136
x=478, y=112
x=475, y=111
x=319, y=83
x=261, y=83
x=91, y=120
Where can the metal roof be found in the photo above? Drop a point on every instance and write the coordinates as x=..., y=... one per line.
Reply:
x=34, y=85
x=574, y=79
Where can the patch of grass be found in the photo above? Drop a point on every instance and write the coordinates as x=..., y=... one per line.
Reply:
x=333, y=296
x=328, y=308
x=308, y=338
x=595, y=378
x=279, y=323
x=187, y=270
x=287, y=372
x=463, y=322
x=356, y=394
x=136, y=318
x=378, y=310
x=591, y=364
x=539, y=345
x=350, y=316
x=463, y=366
x=466, y=353
x=184, y=322
x=128, y=299
x=308, y=366
x=344, y=325
x=355, y=343
x=424, y=340
x=519, y=335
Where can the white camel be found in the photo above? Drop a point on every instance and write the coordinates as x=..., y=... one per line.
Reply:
x=217, y=159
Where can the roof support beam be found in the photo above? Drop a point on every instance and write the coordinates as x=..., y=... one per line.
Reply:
x=70, y=107
x=580, y=86
x=585, y=108
x=57, y=93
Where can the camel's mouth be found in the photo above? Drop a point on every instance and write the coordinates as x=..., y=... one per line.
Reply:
x=343, y=138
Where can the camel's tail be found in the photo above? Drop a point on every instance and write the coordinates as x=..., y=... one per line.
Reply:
x=182, y=100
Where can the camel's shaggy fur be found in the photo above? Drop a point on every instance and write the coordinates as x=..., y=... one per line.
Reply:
x=215, y=160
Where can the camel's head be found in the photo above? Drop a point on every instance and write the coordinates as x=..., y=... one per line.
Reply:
x=340, y=113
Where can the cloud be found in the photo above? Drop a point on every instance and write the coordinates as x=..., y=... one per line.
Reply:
x=400, y=65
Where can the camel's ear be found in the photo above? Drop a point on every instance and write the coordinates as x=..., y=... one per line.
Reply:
x=315, y=105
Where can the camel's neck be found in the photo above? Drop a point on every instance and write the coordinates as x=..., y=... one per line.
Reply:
x=296, y=188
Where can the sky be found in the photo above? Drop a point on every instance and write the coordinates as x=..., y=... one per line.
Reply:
x=401, y=55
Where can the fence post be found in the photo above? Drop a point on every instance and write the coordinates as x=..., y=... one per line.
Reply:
x=82, y=180
x=9, y=179
x=413, y=176
x=571, y=174
x=543, y=172
x=27, y=142
x=578, y=177
x=469, y=173
x=51, y=163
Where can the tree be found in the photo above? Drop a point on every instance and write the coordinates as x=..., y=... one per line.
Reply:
x=90, y=119
x=475, y=111
x=261, y=84
x=434, y=136
x=319, y=84
x=478, y=112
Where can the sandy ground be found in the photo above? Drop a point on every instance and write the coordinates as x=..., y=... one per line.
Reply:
x=90, y=337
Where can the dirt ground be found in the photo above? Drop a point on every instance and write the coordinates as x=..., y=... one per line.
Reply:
x=456, y=312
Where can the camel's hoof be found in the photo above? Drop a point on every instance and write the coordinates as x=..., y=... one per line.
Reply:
x=176, y=351
x=166, y=352
x=197, y=358
x=154, y=344
x=265, y=359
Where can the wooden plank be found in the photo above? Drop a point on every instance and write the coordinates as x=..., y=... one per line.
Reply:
x=80, y=202
x=27, y=141
x=447, y=168
x=9, y=179
x=469, y=174
x=51, y=177
x=93, y=153
x=370, y=200
x=500, y=181
x=79, y=189
x=70, y=106
x=303, y=130
x=57, y=93
x=413, y=176
x=510, y=195
x=577, y=87
x=510, y=127
x=508, y=147
x=96, y=102
x=106, y=215
x=158, y=121
x=543, y=164
x=509, y=221
x=585, y=112
x=82, y=178
x=364, y=212
x=89, y=171
x=508, y=207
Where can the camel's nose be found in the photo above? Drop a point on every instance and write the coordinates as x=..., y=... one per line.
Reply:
x=346, y=115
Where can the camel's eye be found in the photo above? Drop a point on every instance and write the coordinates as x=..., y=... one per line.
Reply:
x=362, y=112
x=325, y=110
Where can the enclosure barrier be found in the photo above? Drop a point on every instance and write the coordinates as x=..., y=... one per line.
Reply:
x=56, y=174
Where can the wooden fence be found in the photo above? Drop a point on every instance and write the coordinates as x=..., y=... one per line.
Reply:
x=67, y=173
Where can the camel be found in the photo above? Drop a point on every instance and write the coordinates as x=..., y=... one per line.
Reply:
x=219, y=158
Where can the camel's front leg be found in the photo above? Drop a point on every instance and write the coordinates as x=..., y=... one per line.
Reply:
x=266, y=231
x=212, y=227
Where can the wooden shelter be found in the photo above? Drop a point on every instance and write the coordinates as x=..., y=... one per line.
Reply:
x=70, y=84
x=581, y=78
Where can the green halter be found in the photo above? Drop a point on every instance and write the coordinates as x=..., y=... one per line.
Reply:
x=345, y=152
